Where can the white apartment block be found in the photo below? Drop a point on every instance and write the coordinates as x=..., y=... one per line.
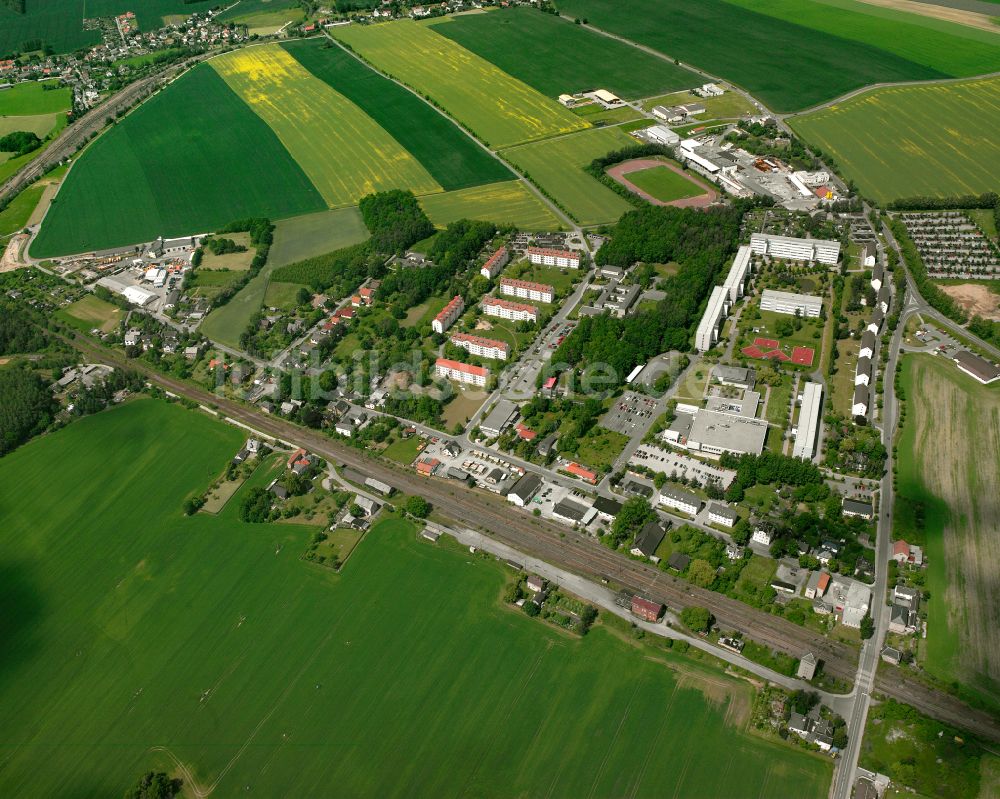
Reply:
x=809, y=415
x=514, y=311
x=495, y=263
x=446, y=318
x=737, y=276
x=526, y=290
x=483, y=347
x=708, y=330
x=823, y=251
x=546, y=257
x=788, y=302
x=462, y=372
x=684, y=501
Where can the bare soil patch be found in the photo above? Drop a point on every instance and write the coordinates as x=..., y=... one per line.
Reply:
x=976, y=299
x=956, y=15
x=619, y=171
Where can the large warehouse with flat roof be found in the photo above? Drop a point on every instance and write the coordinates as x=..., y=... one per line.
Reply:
x=713, y=432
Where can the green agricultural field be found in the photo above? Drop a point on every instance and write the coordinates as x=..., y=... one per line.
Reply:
x=283, y=295
x=15, y=216
x=154, y=173
x=89, y=312
x=301, y=237
x=500, y=109
x=664, y=184
x=263, y=16
x=787, y=65
x=345, y=153
x=953, y=49
x=504, y=203
x=139, y=638
x=564, y=58
x=945, y=502
x=905, y=141
x=35, y=97
x=39, y=124
x=453, y=159
x=557, y=166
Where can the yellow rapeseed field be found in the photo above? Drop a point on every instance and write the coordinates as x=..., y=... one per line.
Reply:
x=498, y=108
x=341, y=149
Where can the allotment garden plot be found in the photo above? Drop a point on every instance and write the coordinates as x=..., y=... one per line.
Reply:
x=906, y=141
x=140, y=638
x=498, y=108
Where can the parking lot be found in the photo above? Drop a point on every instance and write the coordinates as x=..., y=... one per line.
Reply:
x=673, y=464
x=630, y=411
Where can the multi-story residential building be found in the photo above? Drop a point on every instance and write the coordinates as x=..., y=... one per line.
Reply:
x=495, y=263
x=515, y=311
x=462, y=372
x=446, y=318
x=483, y=347
x=526, y=290
x=546, y=257
x=821, y=250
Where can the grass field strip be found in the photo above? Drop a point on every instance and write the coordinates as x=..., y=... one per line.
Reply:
x=343, y=151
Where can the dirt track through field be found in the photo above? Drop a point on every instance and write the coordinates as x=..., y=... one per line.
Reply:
x=956, y=15
x=958, y=435
x=619, y=171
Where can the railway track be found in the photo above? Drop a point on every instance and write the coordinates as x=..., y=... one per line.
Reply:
x=570, y=550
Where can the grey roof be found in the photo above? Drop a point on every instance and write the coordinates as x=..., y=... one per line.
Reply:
x=680, y=496
x=858, y=507
x=526, y=487
x=723, y=510
x=457, y=474
x=734, y=374
x=503, y=413
x=864, y=366
x=570, y=510
x=682, y=424
x=798, y=723
x=980, y=367
x=640, y=489
x=878, y=270
x=884, y=295
x=868, y=339
x=649, y=538
x=861, y=394
x=611, y=507
x=679, y=561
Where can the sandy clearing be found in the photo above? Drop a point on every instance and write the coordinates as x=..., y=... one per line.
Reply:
x=619, y=171
x=11, y=258
x=956, y=15
x=976, y=299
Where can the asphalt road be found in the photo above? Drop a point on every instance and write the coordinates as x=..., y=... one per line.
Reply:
x=575, y=553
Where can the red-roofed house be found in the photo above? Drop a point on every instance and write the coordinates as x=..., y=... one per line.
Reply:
x=446, y=318
x=526, y=290
x=427, y=466
x=561, y=258
x=516, y=311
x=495, y=263
x=646, y=609
x=462, y=372
x=577, y=470
x=525, y=433
x=294, y=457
x=483, y=347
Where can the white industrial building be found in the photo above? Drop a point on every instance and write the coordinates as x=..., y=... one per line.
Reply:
x=823, y=251
x=809, y=416
x=483, y=347
x=788, y=302
x=687, y=152
x=499, y=419
x=526, y=290
x=447, y=316
x=714, y=432
x=515, y=311
x=548, y=257
x=661, y=134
